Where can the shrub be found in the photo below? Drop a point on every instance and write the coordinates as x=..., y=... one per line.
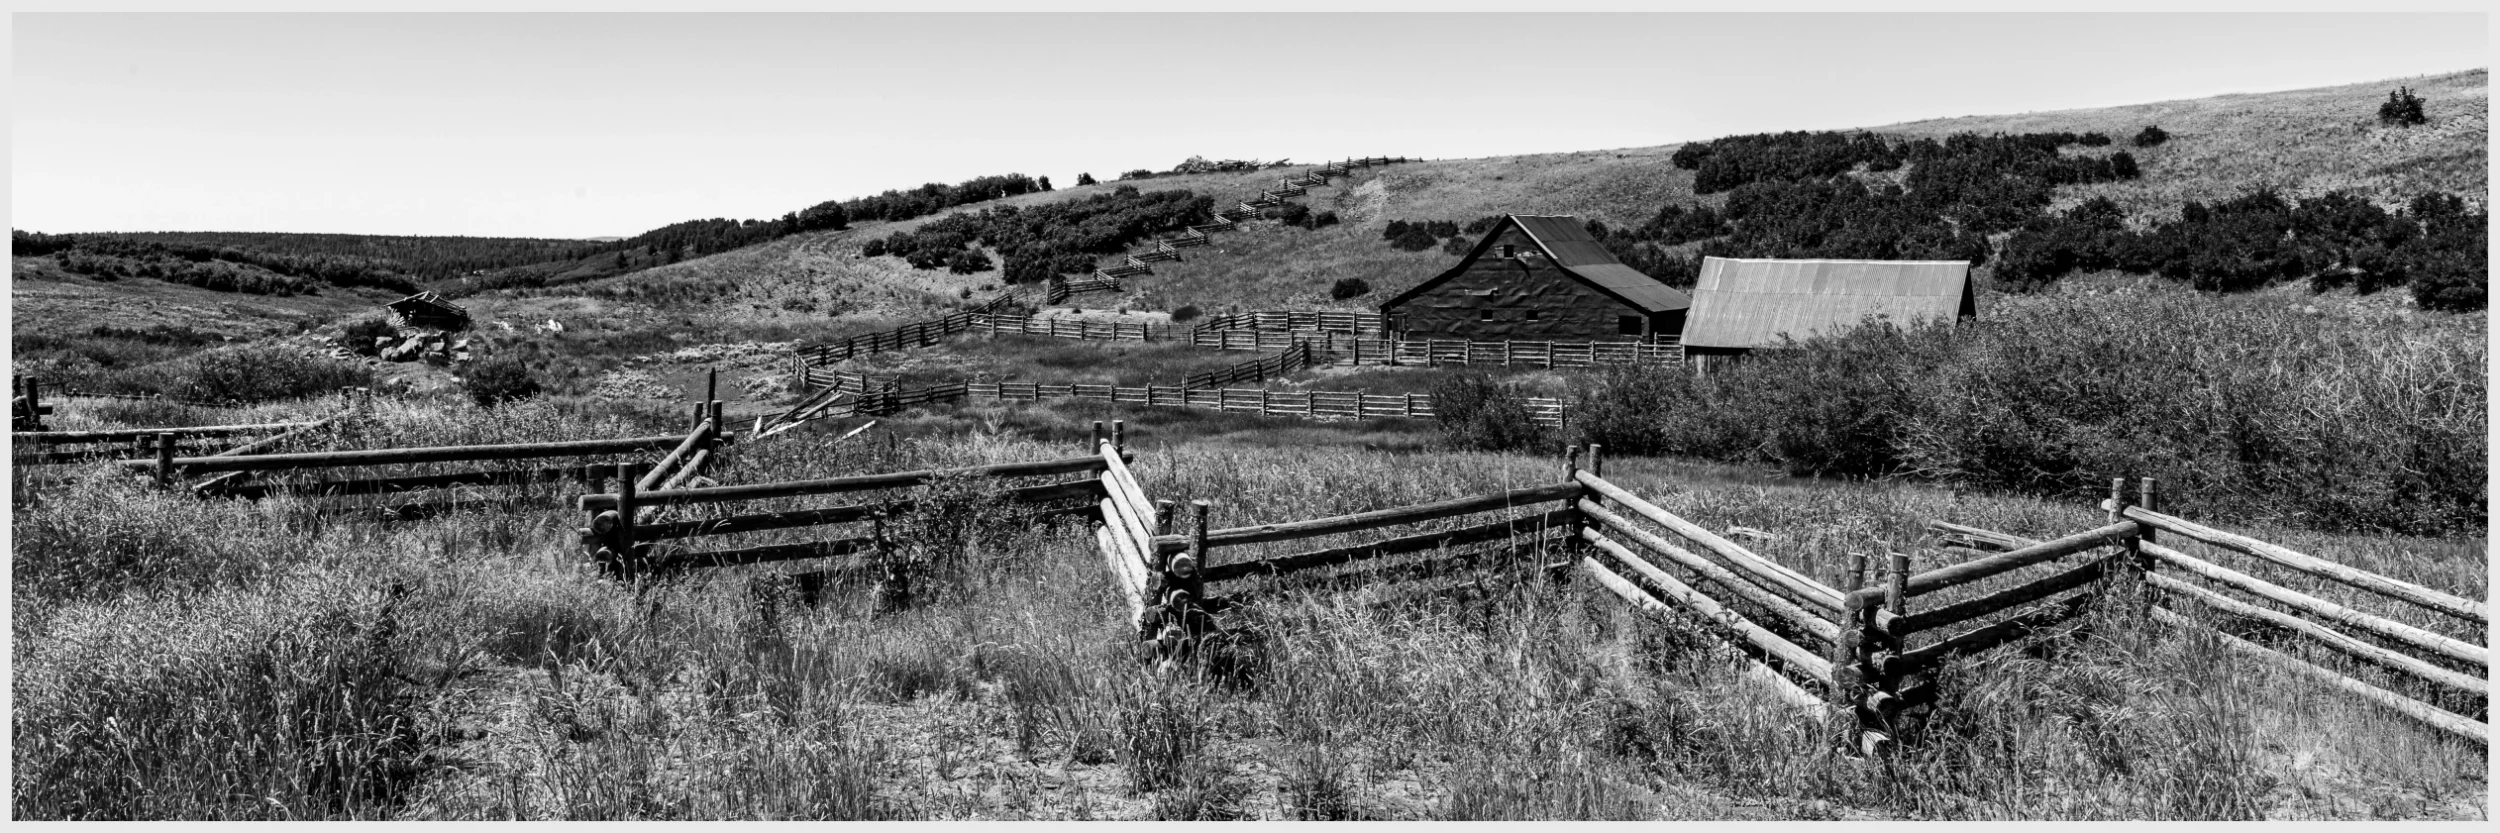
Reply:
x=1479, y=413
x=1085, y=179
x=1349, y=288
x=2151, y=136
x=968, y=261
x=2094, y=139
x=359, y=335
x=2122, y=165
x=1323, y=219
x=1415, y=239
x=253, y=373
x=499, y=380
x=1294, y=214
x=1140, y=173
x=1456, y=247
x=1185, y=313
x=2402, y=109
x=1441, y=228
x=1394, y=230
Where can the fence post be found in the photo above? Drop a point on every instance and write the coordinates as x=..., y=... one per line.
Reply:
x=893, y=590
x=1410, y=405
x=1263, y=401
x=1119, y=429
x=619, y=558
x=711, y=383
x=165, y=459
x=1096, y=446
x=1885, y=703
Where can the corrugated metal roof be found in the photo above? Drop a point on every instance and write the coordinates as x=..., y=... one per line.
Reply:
x=1750, y=303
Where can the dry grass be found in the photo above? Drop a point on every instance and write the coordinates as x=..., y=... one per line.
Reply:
x=501, y=683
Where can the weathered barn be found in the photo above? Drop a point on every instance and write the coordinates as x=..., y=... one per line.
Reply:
x=1539, y=278
x=427, y=309
x=1743, y=305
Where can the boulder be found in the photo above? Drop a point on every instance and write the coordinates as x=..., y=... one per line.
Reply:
x=404, y=351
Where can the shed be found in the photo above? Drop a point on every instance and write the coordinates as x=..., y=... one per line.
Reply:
x=427, y=309
x=1743, y=305
x=1539, y=277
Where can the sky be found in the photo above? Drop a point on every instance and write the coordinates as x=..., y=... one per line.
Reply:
x=568, y=125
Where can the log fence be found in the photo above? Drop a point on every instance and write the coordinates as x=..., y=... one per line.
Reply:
x=639, y=532
x=234, y=472
x=2197, y=593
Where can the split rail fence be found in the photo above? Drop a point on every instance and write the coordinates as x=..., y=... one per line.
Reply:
x=257, y=476
x=635, y=531
x=1864, y=656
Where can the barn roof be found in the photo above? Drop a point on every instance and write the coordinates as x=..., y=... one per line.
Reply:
x=1579, y=255
x=1749, y=303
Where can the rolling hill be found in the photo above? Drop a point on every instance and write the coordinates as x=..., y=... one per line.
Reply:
x=2300, y=143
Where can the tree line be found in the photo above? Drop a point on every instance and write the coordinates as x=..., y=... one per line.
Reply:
x=2435, y=244
x=222, y=268
x=1039, y=243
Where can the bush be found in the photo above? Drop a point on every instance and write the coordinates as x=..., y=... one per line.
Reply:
x=1085, y=179
x=1416, y=238
x=2243, y=409
x=1349, y=288
x=2402, y=109
x=253, y=373
x=1456, y=247
x=1294, y=214
x=1478, y=413
x=496, y=381
x=2122, y=165
x=1323, y=219
x=2094, y=139
x=968, y=261
x=359, y=335
x=1185, y=313
x=1394, y=230
x=2151, y=136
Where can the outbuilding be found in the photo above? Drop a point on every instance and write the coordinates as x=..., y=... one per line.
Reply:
x=1742, y=305
x=1539, y=278
x=430, y=310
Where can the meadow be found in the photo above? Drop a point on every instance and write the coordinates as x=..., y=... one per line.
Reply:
x=292, y=658
x=489, y=678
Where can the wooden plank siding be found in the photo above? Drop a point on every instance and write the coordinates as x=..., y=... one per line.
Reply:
x=1523, y=298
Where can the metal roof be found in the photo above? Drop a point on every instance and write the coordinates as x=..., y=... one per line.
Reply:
x=1568, y=242
x=1750, y=303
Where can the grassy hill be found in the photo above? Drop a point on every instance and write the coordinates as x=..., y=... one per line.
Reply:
x=2299, y=142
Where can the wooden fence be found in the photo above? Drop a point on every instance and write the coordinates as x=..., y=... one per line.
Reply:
x=1165, y=576
x=1292, y=359
x=1102, y=281
x=26, y=408
x=2188, y=593
x=1314, y=321
x=1342, y=348
x=637, y=531
x=1863, y=656
x=1262, y=401
x=233, y=471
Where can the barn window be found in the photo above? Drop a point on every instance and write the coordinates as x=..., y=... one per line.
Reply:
x=1510, y=250
x=1534, y=315
x=1484, y=315
x=1628, y=324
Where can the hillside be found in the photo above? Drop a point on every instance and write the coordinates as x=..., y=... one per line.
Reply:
x=2299, y=142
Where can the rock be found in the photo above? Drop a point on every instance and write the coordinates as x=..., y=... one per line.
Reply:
x=438, y=358
x=382, y=342
x=406, y=351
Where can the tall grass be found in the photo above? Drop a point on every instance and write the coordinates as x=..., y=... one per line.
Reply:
x=465, y=667
x=2243, y=409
